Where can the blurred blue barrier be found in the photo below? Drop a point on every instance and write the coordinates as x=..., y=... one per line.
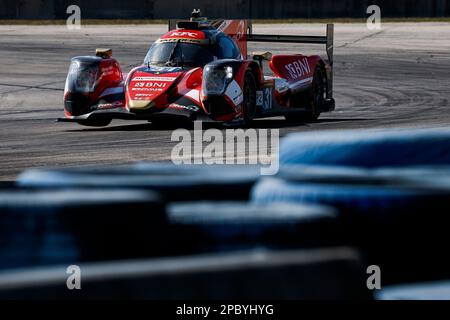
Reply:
x=50, y=227
x=377, y=202
x=439, y=290
x=174, y=183
x=326, y=273
x=400, y=222
x=367, y=148
x=385, y=192
x=225, y=226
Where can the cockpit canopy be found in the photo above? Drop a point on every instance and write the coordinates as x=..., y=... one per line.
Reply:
x=186, y=52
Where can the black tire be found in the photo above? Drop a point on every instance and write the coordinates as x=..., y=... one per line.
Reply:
x=250, y=275
x=47, y=227
x=368, y=148
x=226, y=226
x=316, y=99
x=408, y=218
x=173, y=182
x=249, y=104
x=439, y=290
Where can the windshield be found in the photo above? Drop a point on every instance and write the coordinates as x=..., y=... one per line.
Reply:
x=178, y=54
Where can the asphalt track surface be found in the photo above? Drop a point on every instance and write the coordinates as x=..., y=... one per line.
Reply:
x=398, y=76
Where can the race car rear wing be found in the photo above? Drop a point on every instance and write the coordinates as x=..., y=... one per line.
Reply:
x=242, y=32
x=327, y=40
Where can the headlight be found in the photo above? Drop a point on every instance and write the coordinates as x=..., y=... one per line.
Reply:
x=229, y=73
x=216, y=79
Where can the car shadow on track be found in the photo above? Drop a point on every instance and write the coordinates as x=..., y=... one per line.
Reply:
x=187, y=126
x=257, y=124
x=281, y=123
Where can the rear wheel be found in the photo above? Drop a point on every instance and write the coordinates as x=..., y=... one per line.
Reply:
x=316, y=99
x=249, y=104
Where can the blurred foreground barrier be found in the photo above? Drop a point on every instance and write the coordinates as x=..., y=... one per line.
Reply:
x=439, y=290
x=225, y=226
x=436, y=176
x=49, y=227
x=400, y=222
x=367, y=148
x=379, y=195
x=7, y=185
x=363, y=199
x=175, y=183
x=335, y=273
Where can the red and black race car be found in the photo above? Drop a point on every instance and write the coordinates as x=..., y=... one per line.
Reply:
x=200, y=70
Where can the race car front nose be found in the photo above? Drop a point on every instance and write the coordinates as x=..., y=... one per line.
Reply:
x=139, y=105
x=218, y=106
x=76, y=103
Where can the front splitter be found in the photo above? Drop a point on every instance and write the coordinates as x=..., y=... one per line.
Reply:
x=168, y=113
